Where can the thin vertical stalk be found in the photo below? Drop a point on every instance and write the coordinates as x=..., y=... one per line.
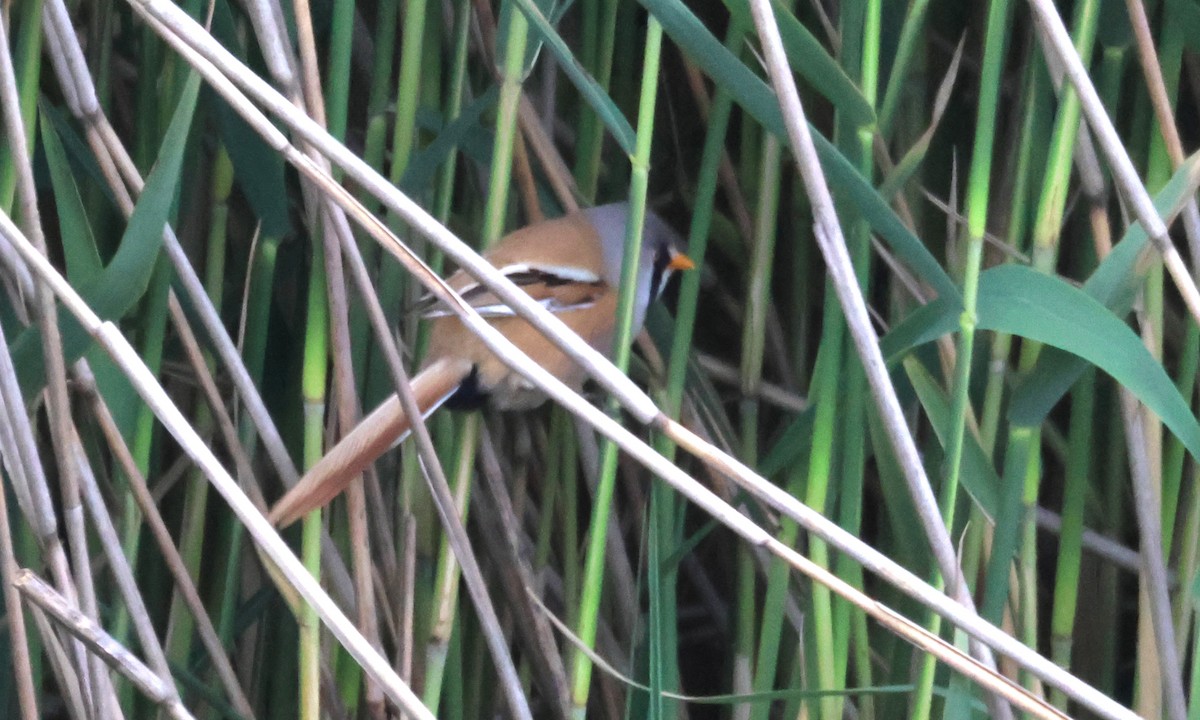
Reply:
x=827, y=377
x=512, y=72
x=978, y=196
x=1022, y=456
x=257, y=306
x=689, y=293
x=1031, y=109
x=26, y=70
x=832, y=244
x=409, y=81
x=313, y=382
x=499, y=180
x=659, y=497
x=689, y=284
x=14, y=612
x=570, y=513
x=847, y=620
x=378, y=116
x=444, y=195
x=754, y=321
x=154, y=326
x=445, y=584
x=1162, y=71
x=192, y=535
x=1046, y=232
x=581, y=666
x=337, y=80
x=62, y=432
x=911, y=35
x=1068, y=563
x=746, y=619
x=599, y=31
x=408, y=86
x=19, y=110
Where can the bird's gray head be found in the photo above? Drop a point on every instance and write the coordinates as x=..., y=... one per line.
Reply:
x=662, y=253
x=662, y=248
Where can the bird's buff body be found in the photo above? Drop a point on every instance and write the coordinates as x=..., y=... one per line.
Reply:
x=572, y=266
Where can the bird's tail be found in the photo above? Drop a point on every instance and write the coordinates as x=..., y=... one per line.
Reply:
x=385, y=426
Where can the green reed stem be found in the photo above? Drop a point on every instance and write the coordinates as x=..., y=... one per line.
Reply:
x=493, y=227
x=337, y=80
x=824, y=390
x=27, y=41
x=1070, y=542
x=581, y=665
x=754, y=322
x=446, y=580
x=315, y=372
x=408, y=87
x=1170, y=45
x=192, y=535
x=154, y=330
x=706, y=190
x=847, y=621
x=978, y=196
x=254, y=349
x=599, y=39
x=911, y=35
x=444, y=196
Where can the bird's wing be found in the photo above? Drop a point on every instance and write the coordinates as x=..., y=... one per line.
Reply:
x=557, y=288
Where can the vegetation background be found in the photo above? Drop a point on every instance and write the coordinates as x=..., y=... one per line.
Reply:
x=1043, y=356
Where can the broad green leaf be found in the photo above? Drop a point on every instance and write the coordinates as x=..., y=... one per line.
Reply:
x=79, y=246
x=1010, y=519
x=1116, y=280
x=915, y=155
x=464, y=131
x=749, y=90
x=533, y=43
x=845, y=181
x=595, y=96
x=82, y=161
x=978, y=477
x=115, y=290
x=119, y=394
x=258, y=169
x=960, y=697
x=925, y=324
x=809, y=59
x=1021, y=301
x=83, y=266
x=794, y=443
x=909, y=544
x=1114, y=283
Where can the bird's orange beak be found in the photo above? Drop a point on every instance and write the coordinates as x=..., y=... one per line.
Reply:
x=681, y=262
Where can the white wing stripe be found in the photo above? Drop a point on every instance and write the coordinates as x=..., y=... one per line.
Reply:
x=565, y=272
x=502, y=310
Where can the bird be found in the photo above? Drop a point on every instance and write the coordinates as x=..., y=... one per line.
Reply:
x=571, y=265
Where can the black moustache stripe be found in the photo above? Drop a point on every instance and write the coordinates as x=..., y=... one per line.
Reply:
x=662, y=259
